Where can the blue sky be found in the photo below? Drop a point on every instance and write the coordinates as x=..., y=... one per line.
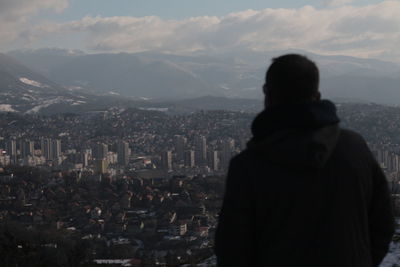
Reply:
x=363, y=28
x=170, y=9
x=178, y=9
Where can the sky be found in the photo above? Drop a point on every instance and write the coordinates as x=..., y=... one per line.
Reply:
x=361, y=28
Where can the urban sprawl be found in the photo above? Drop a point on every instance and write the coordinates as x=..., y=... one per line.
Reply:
x=137, y=187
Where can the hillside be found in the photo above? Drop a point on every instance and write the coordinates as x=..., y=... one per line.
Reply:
x=167, y=77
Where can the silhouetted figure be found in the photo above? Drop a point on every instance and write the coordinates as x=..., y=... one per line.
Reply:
x=305, y=192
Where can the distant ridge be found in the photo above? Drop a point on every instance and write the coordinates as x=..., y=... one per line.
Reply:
x=218, y=103
x=23, y=90
x=240, y=74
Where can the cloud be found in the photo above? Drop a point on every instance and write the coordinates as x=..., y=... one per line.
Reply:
x=366, y=31
x=14, y=9
x=336, y=3
x=15, y=15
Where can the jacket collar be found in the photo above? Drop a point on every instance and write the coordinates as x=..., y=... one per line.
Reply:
x=311, y=115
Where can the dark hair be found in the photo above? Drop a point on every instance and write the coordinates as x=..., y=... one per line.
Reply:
x=292, y=78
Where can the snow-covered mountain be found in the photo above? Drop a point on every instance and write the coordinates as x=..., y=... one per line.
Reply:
x=24, y=90
x=240, y=74
x=132, y=75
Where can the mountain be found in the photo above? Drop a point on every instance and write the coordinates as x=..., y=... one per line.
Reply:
x=44, y=59
x=124, y=74
x=384, y=90
x=214, y=103
x=26, y=91
x=22, y=89
x=12, y=67
x=235, y=74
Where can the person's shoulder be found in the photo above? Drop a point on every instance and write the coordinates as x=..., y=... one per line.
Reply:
x=347, y=133
x=352, y=142
x=351, y=136
x=245, y=155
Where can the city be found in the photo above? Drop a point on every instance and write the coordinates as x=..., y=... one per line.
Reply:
x=199, y=133
x=137, y=187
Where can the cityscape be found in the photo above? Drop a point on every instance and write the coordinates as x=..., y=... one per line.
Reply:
x=199, y=133
x=152, y=188
x=137, y=187
x=112, y=141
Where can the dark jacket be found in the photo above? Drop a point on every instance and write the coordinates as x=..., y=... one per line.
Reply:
x=304, y=193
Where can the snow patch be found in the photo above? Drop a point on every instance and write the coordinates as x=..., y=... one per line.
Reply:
x=154, y=109
x=225, y=87
x=28, y=97
x=30, y=82
x=74, y=88
x=45, y=104
x=79, y=102
x=7, y=108
x=6, y=94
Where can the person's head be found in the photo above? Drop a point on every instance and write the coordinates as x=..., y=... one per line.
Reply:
x=291, y=78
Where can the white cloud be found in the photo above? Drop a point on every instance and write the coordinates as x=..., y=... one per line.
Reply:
x=13, y=9
x=15, y=15
x=366, y=31
x=336, y=3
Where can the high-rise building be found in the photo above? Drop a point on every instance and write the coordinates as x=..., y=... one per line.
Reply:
x=123, y=153
x=383, y=156
x=83, y=157
x=100, y=151
x=46, y=148
x=189, y=158
x=11, y=148
x=51, y=149
x=227, y=149
x=101, y=166
x=213, y=160
x=180, y=143
x=27, y=148
x=56, y=149
x=166, y=160
x=86, y=156
x=393, y=162
x=200, y=150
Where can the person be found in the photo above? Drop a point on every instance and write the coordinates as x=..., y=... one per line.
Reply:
x=304, y=192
